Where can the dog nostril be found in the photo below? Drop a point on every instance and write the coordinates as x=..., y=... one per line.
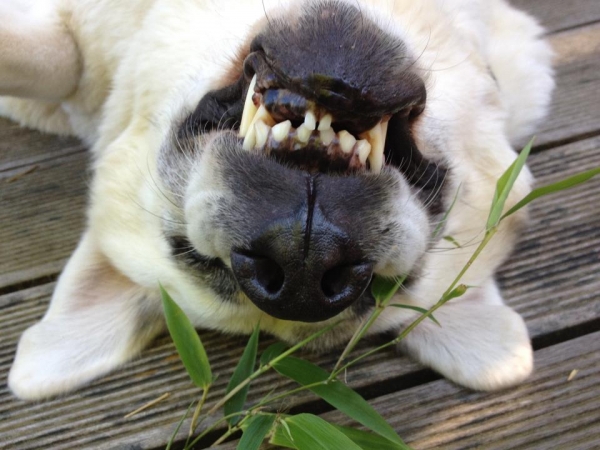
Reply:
x=269, y=274
x=337, y=281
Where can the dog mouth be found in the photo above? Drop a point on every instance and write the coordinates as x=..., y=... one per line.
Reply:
x=281, y=123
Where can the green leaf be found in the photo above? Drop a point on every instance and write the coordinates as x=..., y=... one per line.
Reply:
x=272, y=352
x=384, y=288
x=243, y=370
x=336, y=394
x=552, y=188
x=441, y=223
x=416, y=308
x=458, y=291
x=310, y=432
x=258, y=428
x=504, y=186
x=187, y=342
x=281, y=436
x=452, y=241
x=368, y=441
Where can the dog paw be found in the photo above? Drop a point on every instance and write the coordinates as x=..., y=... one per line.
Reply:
x=480, y=346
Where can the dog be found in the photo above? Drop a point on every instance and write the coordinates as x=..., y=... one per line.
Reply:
x=263, y=161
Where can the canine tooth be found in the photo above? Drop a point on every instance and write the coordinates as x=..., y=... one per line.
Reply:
x=281, y=130
x=262, y=133
x=250, y=139
x=376, y=137
x=363, y=148
x=310, y=121
x=249, y=109
x=303, y=133
x=263, y=114
x=327, y=136
x=347, y=141
x=325, y=122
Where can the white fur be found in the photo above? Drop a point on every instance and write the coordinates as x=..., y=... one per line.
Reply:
x=142, y=64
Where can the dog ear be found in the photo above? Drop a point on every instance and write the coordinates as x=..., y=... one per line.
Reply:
x=97, y=320
x=481, y=344
x=38, y=55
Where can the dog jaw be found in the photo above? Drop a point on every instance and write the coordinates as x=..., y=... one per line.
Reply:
x=137, y=193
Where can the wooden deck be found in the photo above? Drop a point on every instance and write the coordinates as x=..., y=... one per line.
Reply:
x=553, y=280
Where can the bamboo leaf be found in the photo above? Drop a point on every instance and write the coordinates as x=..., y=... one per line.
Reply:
x=338, y=395
x=271, y=352
x=418, y=309
x=187, y=342
x=452, y=241
x=258, y=428
x=368, y=441
x=383, y=288
x=444, y=218
x=504, y=186
x=244, y=368
x=310, y=432
x=552, y=188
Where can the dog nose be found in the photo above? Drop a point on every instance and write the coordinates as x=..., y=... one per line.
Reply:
x=294, y=273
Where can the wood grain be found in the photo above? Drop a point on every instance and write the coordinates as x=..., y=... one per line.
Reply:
x=548, y=412
x=539, y=282
x=557, y=15
x=42, y=213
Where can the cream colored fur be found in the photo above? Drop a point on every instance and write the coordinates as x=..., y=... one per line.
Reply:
x=140, y=66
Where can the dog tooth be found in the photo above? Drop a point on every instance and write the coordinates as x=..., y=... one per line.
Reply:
x=327, y=136
x=262, y=133
x=303, y=133
x=263, y=114
x=249, y=109
x=310, y=121
x=325, y=122
x=376, y=137
x=250, y=139
x=347, y=141
x=281, y=130
x=363, y=148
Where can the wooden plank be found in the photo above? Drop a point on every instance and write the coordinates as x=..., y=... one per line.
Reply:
x=556, y=15
x=21, y=148
x=94, y=416
x=547, y=412
x=42, y=212
x=576, y=104
x=41, y=218
x=552, y=280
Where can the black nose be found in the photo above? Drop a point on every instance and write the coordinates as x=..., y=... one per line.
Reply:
x=305, y=275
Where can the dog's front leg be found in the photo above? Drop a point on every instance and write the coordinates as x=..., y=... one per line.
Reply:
x=480, y=343
x=97, y=320
x=38, y=56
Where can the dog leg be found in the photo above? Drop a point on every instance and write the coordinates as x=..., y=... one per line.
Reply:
x=97, y=320
x=481, y=344
x=38, y=56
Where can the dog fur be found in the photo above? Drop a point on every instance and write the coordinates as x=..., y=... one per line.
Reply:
x=123, y=76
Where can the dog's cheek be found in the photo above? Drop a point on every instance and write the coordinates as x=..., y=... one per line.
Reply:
x=403, y=235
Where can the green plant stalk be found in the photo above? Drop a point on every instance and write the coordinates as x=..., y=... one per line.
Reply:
x=269, y=365
x=197, y=411
x=336, y=371
x=362, y=330
x=445, y=297
x=231, y=430
x=219, y=422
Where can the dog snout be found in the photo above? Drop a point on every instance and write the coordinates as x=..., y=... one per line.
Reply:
x=332, y=57
x=302, y=268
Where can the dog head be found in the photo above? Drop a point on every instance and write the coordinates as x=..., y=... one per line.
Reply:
x=301, y=179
